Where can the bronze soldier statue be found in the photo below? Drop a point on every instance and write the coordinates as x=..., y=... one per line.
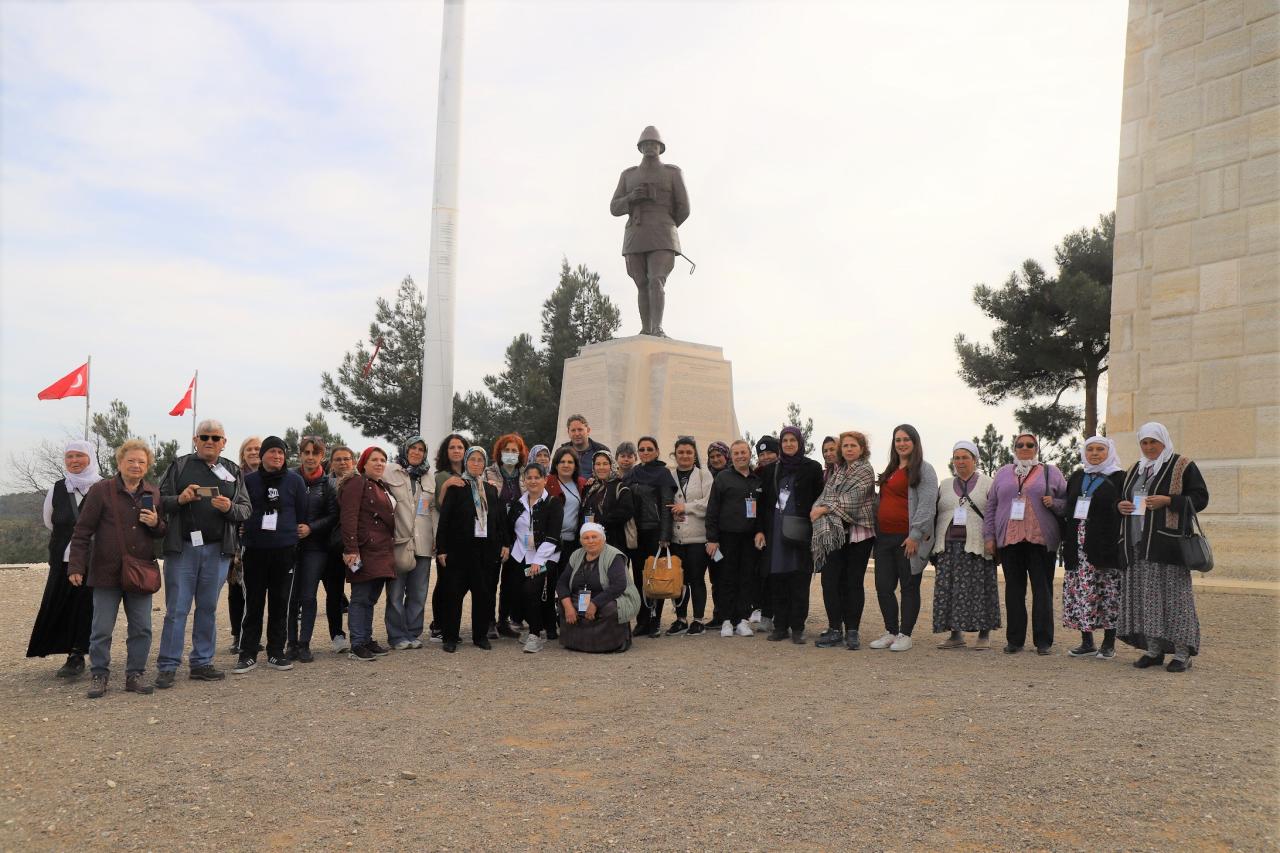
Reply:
x=653, y=198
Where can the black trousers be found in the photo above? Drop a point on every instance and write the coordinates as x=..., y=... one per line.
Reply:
x=737, y=569
x=465, y=572
x=693, y=559
x=760, y=589
x=538, y=594
x=268, y=580
x=843, y=594
x=647, y=546
x=511, y=595
x=1022, y=561
x=893, y=569
x=790, y=599
x=437, y=600
x=334, y=581
x=235, y=606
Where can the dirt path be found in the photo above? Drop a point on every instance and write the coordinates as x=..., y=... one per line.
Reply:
x=683, y=743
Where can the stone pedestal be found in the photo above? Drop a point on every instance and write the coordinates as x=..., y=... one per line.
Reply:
x=629, y=387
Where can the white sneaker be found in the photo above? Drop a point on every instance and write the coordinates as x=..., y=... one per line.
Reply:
x=402, y=645
x=755, y=617
x=523, y=638
x=901, y=644
x=726, y=630
x=534, y=644
x=415, y=644
x=766, y=624
x=884, y=642
x=743, y=630
x=341, y=644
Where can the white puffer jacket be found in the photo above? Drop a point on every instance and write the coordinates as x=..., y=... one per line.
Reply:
x=693, y=530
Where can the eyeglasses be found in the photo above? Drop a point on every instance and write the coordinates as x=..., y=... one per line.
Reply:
x=213, y=438
x=1022, y=445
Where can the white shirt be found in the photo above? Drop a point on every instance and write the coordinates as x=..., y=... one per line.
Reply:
x=521, y=551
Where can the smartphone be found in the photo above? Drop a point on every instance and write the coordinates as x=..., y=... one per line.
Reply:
x=148, y=502
x=207, y=491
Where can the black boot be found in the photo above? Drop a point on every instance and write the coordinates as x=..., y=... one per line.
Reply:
x=73, y=668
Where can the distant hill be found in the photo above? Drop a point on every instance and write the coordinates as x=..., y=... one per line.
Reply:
x=23, y=537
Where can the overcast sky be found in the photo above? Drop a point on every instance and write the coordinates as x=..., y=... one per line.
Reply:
x=228, y=187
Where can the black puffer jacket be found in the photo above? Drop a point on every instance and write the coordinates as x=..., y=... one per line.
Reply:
x=653, y=490
x=322, y=510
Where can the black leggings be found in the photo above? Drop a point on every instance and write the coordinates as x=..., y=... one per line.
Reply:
x=893, y=569
x=1022, y=561
x=693, y=557
x=843, y=594
x=736, y=572
x=538, y=594
x=334, y=581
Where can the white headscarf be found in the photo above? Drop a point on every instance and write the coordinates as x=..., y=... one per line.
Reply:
x=591, y=527
x=1109, y=465
x=1157, y=431
x=1022, y=467
x=969, y=446
x=90, y=475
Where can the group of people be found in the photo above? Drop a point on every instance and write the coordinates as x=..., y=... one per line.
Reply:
x=551, y=545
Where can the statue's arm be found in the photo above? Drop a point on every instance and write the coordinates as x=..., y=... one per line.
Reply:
x=621, y=204
x=679, y=198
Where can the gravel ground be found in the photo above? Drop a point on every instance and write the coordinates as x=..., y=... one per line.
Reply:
x=683, y=743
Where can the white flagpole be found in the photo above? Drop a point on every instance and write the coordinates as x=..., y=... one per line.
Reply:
x=195, y=393
x=437, y=346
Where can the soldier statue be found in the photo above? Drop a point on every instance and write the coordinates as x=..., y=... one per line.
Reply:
x=653, y=198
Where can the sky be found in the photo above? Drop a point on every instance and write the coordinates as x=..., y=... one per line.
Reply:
x=229, y=187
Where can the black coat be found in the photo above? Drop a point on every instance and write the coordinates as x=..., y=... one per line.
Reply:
x=727, y=504
x=611, y=505
x=806, y=489
x=548, y=518
x=654, y=491
x=321, y=512
x=1102, y=527
x=1158, y=542
x=456, y=531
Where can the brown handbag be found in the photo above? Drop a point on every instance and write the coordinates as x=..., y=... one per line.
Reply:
x=138, y=575
x=663, y=575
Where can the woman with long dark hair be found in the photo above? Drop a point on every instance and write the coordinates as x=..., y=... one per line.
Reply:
x=689, y=533
x=651, y=487
x=449, y=471
x=904, y=536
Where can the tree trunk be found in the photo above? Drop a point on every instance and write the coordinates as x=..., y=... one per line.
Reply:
x=1090, y=404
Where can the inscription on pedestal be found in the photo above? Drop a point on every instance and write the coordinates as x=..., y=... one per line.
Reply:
x=585, y=389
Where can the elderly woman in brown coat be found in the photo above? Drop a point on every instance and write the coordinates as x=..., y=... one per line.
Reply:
x=118, y=518
x=367, y=512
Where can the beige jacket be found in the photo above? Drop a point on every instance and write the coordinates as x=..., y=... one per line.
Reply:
x=415, y=525
x=693, y=530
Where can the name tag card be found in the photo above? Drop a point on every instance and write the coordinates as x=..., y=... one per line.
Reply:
x=481, y=532
x=1139, y=504
x=269, y=521
x=1082, y=508
x=222, y=474
x=1018, y=510
x=719, y=555
x=197, y=538
x=960, y=516
x=751, y=507
x=584, y=599
x=422, y=505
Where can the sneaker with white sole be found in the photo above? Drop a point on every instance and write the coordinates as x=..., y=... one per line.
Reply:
x=401, y=645
x=281, y=663
x=246, y=663
x=726, y=630
x=766, y=624
x=415, y=644
x=534, y=644
x=341, y=644
x=901, y=644
x=743, y=630
x=884, y=642
x=754, y=619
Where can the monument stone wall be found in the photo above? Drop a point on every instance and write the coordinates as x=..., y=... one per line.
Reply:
x=1195, y=313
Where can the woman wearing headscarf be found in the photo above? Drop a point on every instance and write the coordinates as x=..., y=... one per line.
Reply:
x=469, y=546
x=653, y=492
x=1090, y=552
x=449, y=471
x=541, y=454
x=844, y=522
x=966, y=596
x=1158, y=606
x=791, y=485
x=66, y=611
x=367, y=510
x=1020, y=529
x=504, y=473
x=410, y=483
x=904, y=536
x=250, y=459
x=608, y=500
x=531, y=538
x=717, y=457
x=596, y=594
x=717, y=461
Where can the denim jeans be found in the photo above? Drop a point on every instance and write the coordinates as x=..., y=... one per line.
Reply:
x=137, y=610
x=364, y=596
x=196, y=574
x=407, y=602
x=302, y=600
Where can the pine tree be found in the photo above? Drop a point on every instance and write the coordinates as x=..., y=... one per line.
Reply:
x=993, y=453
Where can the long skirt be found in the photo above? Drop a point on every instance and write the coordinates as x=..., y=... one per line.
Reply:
x=66, y=613
x=1090, y=596
x=966, y=596
x=602, y=634
x=1158, y=608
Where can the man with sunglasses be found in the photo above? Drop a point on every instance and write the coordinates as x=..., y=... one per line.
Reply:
x=204, y=500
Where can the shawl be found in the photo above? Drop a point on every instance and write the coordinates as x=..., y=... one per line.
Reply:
x=90, y=475
x=848, y=493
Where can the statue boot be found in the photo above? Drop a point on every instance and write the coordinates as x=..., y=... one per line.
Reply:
x=657, y=302
x=642, y=297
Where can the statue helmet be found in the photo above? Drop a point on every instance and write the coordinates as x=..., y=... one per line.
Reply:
x=650, y=134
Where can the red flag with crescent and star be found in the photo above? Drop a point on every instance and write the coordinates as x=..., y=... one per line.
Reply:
x=184, y=405
x=74, y=384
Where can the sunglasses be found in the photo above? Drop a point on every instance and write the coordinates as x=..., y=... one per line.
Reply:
x=213, y=438
x=1022, y=445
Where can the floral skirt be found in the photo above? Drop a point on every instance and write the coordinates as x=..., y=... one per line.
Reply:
x=1090, y=596
x=965, y=594
x=1158, y=608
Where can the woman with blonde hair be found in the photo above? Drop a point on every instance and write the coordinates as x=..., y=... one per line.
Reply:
x=249, y=462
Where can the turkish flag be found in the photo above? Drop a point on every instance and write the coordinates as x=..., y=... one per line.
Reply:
x=74, y=384
x=184, y=405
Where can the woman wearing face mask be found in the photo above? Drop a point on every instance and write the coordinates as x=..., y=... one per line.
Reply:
x=1158, y=604
x=904, y=536
x=249, y=461
x=342, y=464
x=608, y=501
x=449, y=471
x=652, y=489
x=843, y=535
x=791, y=485
x=965, y=594
x=410, y=483
x=689, y=533
x=66, y=611
x=1090, y=553
x=468, y=547
x=1021, y=521
x=504, y=474
x=532, y=539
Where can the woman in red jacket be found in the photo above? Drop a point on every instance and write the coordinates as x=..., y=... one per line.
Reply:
x=367, y=510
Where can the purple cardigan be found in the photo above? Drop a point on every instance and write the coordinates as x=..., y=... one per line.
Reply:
x=1004, y=488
